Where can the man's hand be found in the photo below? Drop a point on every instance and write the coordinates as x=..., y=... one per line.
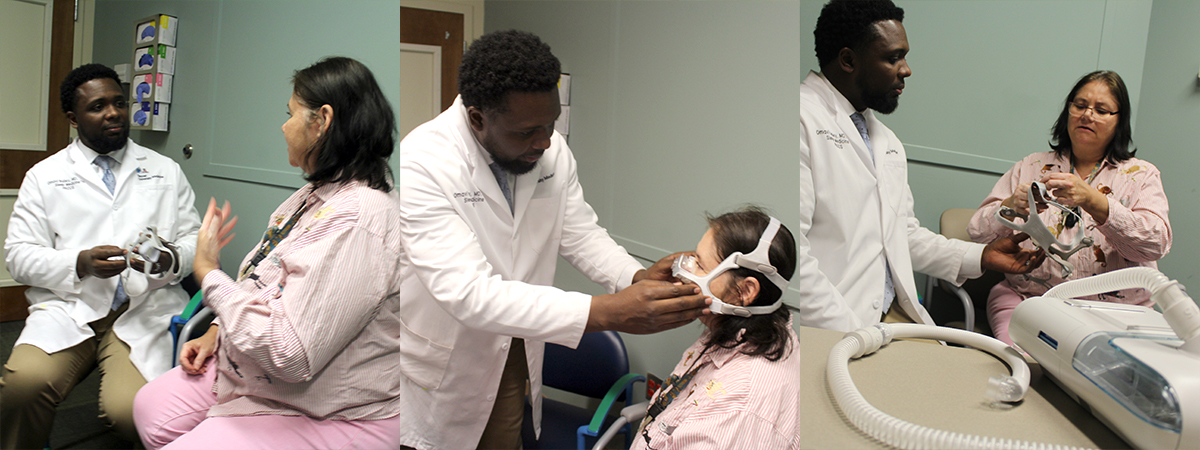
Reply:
x=165, y=261
x=647, y=307
x=661, y=270
x=95, y=261
x=196, y=352
x=1006, y=255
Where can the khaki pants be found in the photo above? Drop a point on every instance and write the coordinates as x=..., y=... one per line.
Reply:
x=503, y=430
x=896, y=314
x=33, y=383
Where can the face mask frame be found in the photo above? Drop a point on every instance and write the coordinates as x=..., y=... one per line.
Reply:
x=759, y=261
x=149, y=247
x=1040, y=234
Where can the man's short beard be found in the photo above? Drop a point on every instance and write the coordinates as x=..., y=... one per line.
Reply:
x=513, y=166
x=105, y=145
x=883, y=103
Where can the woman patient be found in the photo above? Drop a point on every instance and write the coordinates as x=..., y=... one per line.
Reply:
x=306, y=353
x=736, y=386
x=1115, y=198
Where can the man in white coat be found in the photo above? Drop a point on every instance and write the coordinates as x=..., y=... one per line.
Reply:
x=489, y=200
x=74, y=212
x=858, y=241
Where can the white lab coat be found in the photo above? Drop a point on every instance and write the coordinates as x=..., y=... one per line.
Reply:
x=64, y=208
x=854, y=213
x=476, y=275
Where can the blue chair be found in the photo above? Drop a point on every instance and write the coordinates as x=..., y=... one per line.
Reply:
x=190, y=324
x=598, y=368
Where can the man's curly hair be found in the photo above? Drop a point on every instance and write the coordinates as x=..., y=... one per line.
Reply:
x=80, y=75
x=505, y=61
x=847, y=24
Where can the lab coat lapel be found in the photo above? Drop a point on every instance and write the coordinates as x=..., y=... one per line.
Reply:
x=890, y=195
x=84, y=169
x=130, y=162
x=485, y=180
x=526, y=185
x=481, y=173
x=860, y=147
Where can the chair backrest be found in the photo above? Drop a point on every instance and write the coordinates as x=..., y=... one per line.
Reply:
x=591, y=368
x=954, y=223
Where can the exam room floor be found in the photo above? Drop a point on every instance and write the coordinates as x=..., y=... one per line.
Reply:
x=77, y=424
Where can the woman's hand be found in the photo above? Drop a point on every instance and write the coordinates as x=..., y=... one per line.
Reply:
x=195, y=352
x=1070, y=190
x=215, y=234
x=1019, y=200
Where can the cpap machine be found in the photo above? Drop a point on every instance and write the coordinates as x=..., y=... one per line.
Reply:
x=1135, y=369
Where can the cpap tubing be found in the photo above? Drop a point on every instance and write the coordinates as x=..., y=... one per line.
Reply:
x=906, y=435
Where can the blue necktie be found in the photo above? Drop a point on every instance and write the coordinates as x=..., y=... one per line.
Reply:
x=889, y=288
x=502, y=179
x=110, y=181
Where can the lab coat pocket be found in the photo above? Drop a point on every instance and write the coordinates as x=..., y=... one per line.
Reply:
x=424, y=361
x=535, y=221
x=893, y=183
x=152, y=203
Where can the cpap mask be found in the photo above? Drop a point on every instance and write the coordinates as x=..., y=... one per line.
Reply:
x=150, y=248
x=1040, y=234
x=685, y=266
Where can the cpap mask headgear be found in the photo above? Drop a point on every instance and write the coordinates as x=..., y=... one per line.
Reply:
x=149, y=247
x=685, y=266
x=1041, y=235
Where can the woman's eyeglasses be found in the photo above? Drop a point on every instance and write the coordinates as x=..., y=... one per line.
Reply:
x=1078, y=108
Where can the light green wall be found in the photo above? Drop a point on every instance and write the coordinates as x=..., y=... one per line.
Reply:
x=684, y=107
x=1167, y=124
x=235, y=59
x=677, y=108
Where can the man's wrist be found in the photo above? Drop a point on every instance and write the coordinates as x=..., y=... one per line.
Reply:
x=174, y=257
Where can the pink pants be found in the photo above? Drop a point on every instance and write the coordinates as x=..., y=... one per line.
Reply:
x=171, y=412
x=1002, y=300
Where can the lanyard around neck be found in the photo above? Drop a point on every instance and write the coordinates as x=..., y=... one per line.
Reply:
x=273, y=237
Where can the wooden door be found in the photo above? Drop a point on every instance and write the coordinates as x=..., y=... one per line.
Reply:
x=441, y=29
x=17, y=157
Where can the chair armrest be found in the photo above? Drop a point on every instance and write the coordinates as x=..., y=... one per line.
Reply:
x=629, y=415
x=622, y=385
x=635, y=412
x=968, y=305
x=200, y=318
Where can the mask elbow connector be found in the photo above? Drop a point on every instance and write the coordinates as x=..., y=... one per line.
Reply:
x=1005, y=389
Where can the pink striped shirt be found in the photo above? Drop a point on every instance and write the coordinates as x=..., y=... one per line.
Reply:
x=734, y=401
x=1137, y=232
x=312, y=331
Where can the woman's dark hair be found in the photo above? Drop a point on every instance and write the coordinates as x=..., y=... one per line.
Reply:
x=1119, y=149
x=507, y=61
x=767, y=335
x=362, y=135
x=847, y=24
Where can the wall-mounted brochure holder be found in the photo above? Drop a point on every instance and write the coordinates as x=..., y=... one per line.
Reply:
x=153, y=72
